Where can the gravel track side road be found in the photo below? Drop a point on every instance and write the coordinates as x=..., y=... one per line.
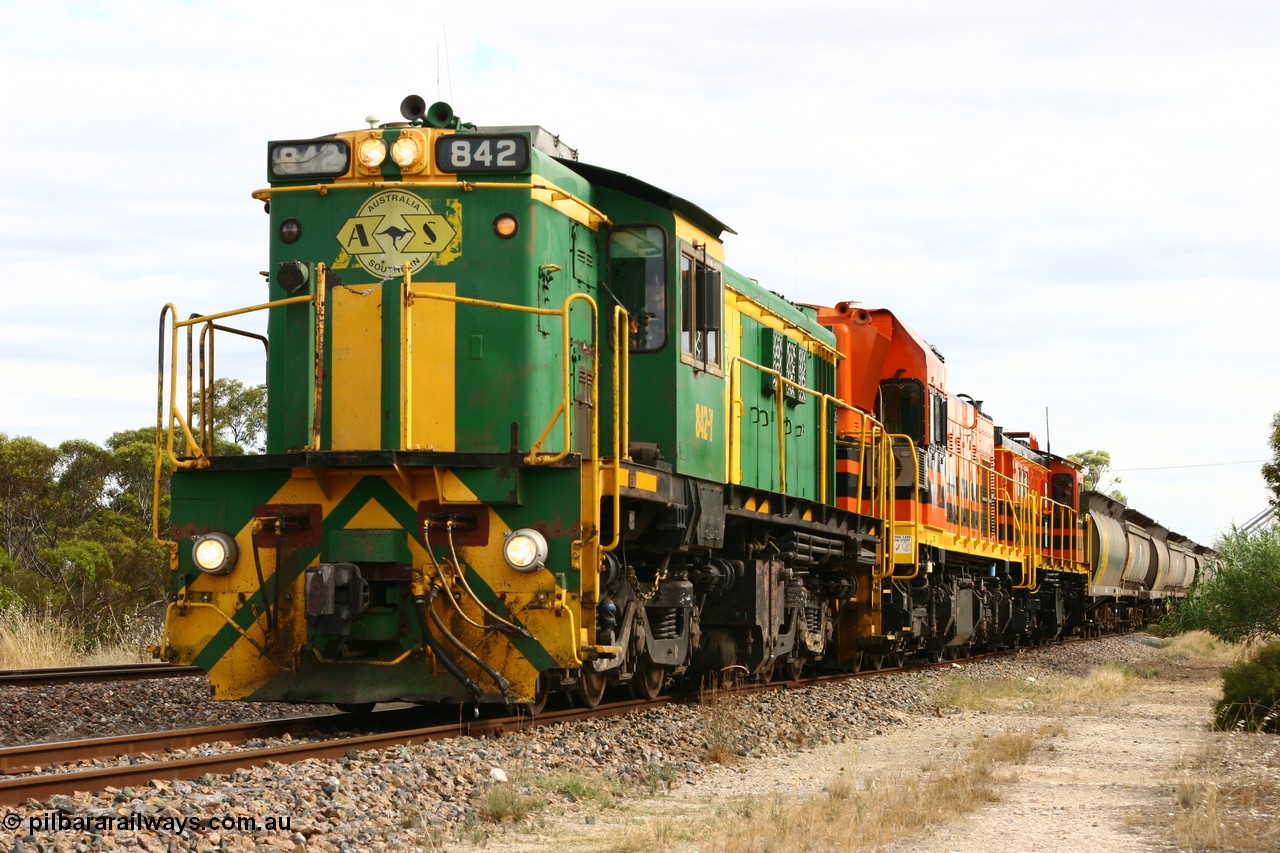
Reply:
x=1105, y=779
x=1106, y=783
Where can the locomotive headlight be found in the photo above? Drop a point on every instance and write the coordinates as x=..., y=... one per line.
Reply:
x=372, y=152
x=405, y=151
x=506, y=226
x=525, y=550
x=214, y=553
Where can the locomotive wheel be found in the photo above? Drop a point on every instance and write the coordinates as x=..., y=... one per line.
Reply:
x=648, y=681
x=540, y=696
x=716, y=660
x=792, y=667
x=898, y=659
x=589, y=689
x=873, y=662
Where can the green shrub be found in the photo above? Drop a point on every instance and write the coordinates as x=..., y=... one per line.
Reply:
x=1237, y=596
x=1251, y=693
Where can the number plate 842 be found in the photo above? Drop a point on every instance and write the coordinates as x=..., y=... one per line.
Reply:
x=482, y=153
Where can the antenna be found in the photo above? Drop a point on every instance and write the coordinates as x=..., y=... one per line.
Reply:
x=448, y=72
x=1048, y=445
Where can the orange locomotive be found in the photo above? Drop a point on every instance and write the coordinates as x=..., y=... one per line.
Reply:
x=986, y=543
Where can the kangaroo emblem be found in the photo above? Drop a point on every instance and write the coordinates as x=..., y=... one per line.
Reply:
x=395, y=234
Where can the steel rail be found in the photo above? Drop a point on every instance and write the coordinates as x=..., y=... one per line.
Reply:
x=104, y=672
x=19, y=789
x=26, y=757
x=39, y=787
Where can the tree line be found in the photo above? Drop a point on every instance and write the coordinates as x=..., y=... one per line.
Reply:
x=76, y=519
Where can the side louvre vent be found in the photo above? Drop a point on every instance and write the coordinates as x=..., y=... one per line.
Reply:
x=584, y=256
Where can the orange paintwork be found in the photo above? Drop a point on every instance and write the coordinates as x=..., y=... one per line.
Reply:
x=975, y=491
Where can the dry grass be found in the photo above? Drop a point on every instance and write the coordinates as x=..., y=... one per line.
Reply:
x=508, y=803
x=661, y=832
x=850, y=814
x=721, y=716
x=1228, y=796
x=33, y=640
x=28, y=642
x=1195, y=644
x=1100, y=687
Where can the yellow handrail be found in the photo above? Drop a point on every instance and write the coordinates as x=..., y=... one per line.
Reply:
x=914, y=504
x=779, y=403
x=872, y=432
x=621, y=414
x=535, y=456
x=165, y=434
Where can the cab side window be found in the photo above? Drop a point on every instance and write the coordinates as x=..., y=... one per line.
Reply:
x=1064, y=489
x=939, y=430
x=700, y=289
x=638, y=278
x=902, y=408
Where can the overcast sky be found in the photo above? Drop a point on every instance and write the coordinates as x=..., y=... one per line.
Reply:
x=1076, y=202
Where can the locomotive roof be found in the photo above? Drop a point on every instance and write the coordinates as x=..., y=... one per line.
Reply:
x=648, y=192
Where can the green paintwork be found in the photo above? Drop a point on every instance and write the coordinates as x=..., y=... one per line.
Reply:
x=365, y=546
x=205, y=500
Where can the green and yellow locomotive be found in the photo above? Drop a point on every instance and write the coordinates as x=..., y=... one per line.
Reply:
x=527, y=432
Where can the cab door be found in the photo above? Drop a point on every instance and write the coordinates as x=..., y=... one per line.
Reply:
x=700, y=372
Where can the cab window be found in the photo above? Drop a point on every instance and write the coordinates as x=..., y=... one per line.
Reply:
x=902, y=408
x=939, y=417
x=1064, y=489
x=700, y=289
x=638, y=278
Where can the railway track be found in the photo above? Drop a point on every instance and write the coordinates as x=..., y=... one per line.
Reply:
x=89, y=674
x=39, y=787
x=393, y=727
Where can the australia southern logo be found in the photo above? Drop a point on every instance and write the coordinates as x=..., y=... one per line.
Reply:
x=396, y=230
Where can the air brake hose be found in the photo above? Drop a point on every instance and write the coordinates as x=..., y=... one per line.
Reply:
x=502, y=683
x=422, y=605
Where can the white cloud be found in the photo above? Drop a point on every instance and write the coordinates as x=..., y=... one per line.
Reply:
x=1076, y=202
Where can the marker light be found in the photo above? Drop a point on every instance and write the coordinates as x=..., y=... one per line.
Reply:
x=506, y=226
x=405, y=151
x=372, y=152
x=290, y=230
x=525, y=550
x=214, y=553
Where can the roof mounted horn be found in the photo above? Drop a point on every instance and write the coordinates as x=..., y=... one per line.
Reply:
x=415, y=109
